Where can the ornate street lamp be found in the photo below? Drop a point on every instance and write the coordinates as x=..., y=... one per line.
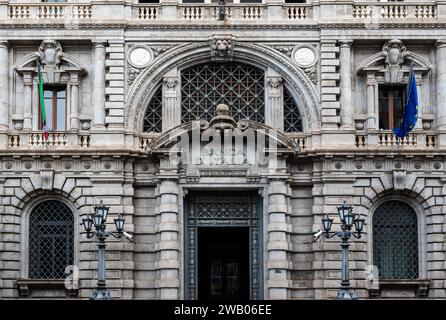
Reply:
x=99, y=219
x=348, y=219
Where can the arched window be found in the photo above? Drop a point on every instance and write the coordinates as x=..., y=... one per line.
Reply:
x=395, y=241
x=51, y=238
x=153, y=116
x=291, y=115
x=239, y=86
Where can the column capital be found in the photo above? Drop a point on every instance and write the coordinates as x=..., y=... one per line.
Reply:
x=345, y=43
x=99, y=43
x=4, y=44
x=441, y=43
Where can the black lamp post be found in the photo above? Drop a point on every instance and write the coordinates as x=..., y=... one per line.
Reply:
x=98, y=219
x=347, y=220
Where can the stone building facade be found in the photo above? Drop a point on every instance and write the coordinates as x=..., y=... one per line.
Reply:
x=122, y=79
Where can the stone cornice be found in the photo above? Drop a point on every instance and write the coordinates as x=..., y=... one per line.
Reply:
x=206, y=26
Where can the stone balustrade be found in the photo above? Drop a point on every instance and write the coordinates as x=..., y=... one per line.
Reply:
x=168, y=11
x=394, y=10
x=49, y=11
x=386, y=139
x=56, y=140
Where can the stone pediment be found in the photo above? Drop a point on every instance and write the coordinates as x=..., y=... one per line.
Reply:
x=53, y=60
x=223, y=126
x=393, y=61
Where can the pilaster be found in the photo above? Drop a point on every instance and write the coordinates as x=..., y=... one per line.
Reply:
x=169, y=239
x=278, y=264
x=330, y=104
x=171, y=112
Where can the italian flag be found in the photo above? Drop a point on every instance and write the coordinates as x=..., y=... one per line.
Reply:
x=42, y=104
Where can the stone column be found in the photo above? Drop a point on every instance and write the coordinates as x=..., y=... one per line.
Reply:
x=4, y=85
x=99, y=86
x=169, y=243
x=27, y=100
x=74, y=101
x=372, y=122
x=441, y=85
x=274, y=103
x=278, y=244
x=346, y=84
x=171, y=112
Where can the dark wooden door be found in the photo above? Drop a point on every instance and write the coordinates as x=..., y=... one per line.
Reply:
x=223, y=263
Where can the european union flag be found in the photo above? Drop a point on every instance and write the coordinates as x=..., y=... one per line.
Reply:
x=410, y=112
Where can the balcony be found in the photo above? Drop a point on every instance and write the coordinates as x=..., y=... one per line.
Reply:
x=34, y=140
x=268, y=13
x=387, y=140
x=391, y=10
x=49, y=11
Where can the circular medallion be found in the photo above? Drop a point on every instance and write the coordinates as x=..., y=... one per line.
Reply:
x=107, y=165
x=27, y=165
x=304, y=56
x=140, y=56
x=437, y=165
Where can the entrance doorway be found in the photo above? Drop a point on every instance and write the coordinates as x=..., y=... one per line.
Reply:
x=223, y=246
x=223, y=263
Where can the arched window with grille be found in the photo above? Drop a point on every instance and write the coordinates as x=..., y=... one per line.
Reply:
x=292, y=120
x=153, y=115
x=239, y=86
x=395, y=241
x=51, y=240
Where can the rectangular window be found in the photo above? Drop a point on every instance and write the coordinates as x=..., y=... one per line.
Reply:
x=391, y=105
x=55, y=108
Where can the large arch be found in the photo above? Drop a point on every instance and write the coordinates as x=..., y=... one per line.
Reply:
x=188, y=55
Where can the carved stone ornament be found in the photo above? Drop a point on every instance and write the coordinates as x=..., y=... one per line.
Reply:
x=312, y=74
x=133, y=73
x=274, y=82
x=222, y=46
x=394, y=52
x=170, y=83
x=222, y=120
x=140, y=56
x=399, y=180
x=304, y=56
x=50, y=52
x=47, y=177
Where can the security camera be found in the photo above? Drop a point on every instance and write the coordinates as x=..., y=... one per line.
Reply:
x=128, y=236
x=317, y=234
